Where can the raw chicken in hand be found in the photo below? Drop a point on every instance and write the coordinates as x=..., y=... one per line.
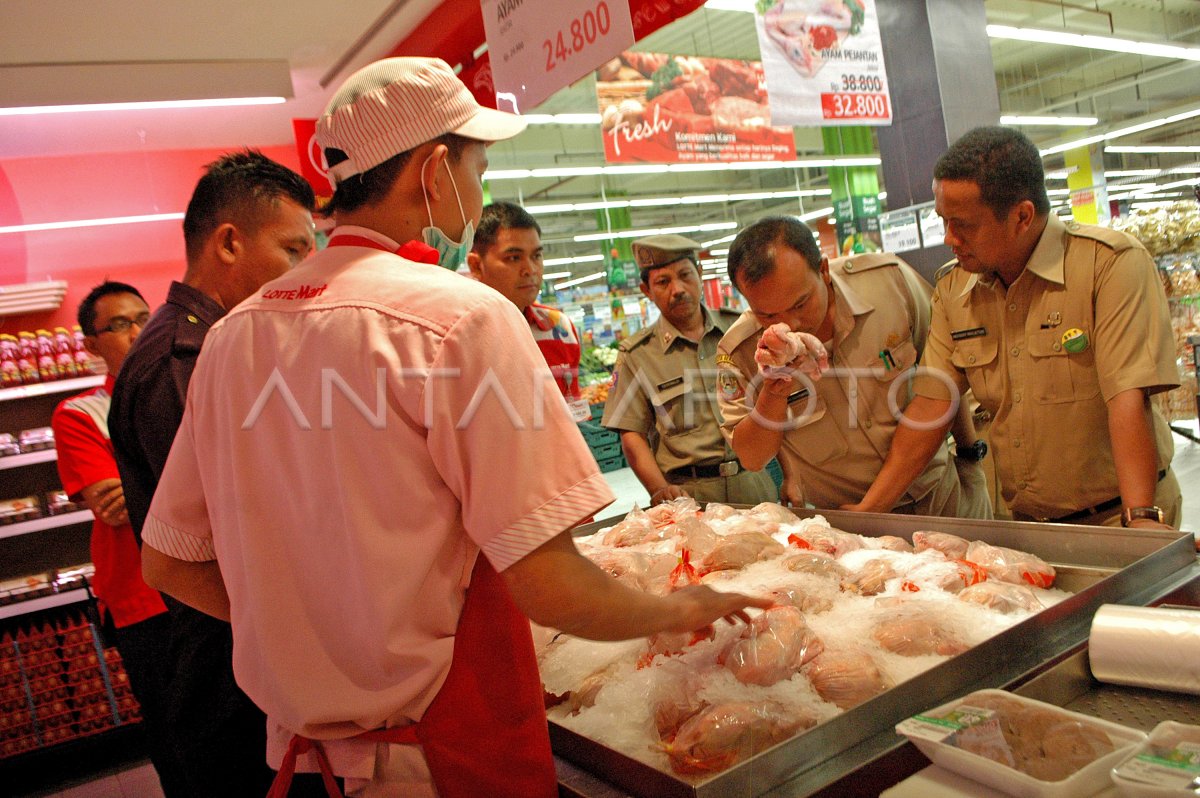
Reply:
x=780, y=351
x=772, y=648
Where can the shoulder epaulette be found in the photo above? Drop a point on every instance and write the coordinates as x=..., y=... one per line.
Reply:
x=637, y=339
x=1105, y=235
x=865, y=262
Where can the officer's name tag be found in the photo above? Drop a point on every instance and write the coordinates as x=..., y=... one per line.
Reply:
x=797, y=396
x=974, y=332
x=662, y=386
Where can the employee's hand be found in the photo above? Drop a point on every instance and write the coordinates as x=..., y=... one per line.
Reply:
x=106, y=500
x=854, y=508
x=666, y=493
x=781, y=387
x=697, y=606
x=1149, y=523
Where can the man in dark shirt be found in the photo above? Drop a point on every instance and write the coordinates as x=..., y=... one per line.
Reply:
x=248, y=222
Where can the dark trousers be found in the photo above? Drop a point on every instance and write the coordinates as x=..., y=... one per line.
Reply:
x=220, y=735
x=144, y=648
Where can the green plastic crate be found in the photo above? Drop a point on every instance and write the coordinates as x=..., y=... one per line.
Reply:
x=607, y=450
x=611, y=463
x=596, y=435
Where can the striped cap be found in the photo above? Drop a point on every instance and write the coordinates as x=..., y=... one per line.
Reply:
x=395, y=104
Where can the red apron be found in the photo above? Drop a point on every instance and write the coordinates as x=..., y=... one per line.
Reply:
x=485, y=732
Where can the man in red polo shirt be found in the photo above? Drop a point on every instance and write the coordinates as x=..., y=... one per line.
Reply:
x=507, y=256
x=112, y=316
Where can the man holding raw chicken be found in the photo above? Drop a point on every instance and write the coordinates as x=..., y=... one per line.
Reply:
x=663, y=400
x=817, y=372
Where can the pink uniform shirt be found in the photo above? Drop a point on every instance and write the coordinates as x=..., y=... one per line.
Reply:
x=354, y=435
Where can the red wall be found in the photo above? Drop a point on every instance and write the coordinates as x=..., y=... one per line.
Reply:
x=147, y=255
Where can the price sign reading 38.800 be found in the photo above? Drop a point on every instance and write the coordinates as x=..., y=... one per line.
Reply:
x=537, y=48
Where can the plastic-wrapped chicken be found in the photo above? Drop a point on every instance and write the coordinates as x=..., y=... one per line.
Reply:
x=893, y=543
x=773, y=511
x=1002, y=597
x=715, y=511
x=780, y=351
x=670, y=644
x=669, y=513
x=806, y=601
x=915, y=632
x=1010, y=565
x=816, y=563
x=846, y=677
x=628, y=567
x=637, y=527
x=584, y=696
x=720, y=735
x=870, y=579
x=942, y=574
x=675, y=701
x=772, y=647
x=696, y=536
x=825, y=539
x=954, y=547
x=739, y=550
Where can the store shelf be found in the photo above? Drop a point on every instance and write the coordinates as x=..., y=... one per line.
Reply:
x=57, y=386
x=44, y=603
x=19, y=460
x=49, y=522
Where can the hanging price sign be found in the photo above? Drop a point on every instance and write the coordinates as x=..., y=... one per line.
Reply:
x=537, y=48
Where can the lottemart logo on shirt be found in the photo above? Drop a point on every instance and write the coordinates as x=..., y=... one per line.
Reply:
x=303, y=292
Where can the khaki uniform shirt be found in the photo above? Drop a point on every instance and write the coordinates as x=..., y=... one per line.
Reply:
x=664, y=387
x=1086, y=320
x=844, y=423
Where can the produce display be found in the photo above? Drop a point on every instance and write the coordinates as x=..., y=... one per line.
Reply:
x=853, y=616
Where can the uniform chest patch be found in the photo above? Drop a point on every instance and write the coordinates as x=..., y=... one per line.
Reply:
x=729, y=387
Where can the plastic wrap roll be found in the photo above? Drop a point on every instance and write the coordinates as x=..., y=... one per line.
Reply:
x=1152, y=647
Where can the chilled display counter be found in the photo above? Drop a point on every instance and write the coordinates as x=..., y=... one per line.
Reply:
x=858, y=751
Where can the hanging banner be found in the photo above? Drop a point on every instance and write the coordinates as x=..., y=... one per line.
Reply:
x=680, y=109
x=824, y=62
x=312, y=160
x=538, y=48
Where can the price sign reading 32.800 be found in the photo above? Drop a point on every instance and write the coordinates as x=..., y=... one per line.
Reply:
x=537, y=48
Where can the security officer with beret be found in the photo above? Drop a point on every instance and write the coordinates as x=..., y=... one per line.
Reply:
x=663, y=400
x=1062, y=331
x=832, y=433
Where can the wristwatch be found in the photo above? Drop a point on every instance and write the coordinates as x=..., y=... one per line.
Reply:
x=1132, y=514
x=975, y=452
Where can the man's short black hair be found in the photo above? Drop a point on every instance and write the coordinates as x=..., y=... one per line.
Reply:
x=371, y=186
x=501, y=216
x=86, y=315
x=1005, y=165
x=750, y=258
x=240, y=187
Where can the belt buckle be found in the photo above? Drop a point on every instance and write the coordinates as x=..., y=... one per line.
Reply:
x=729, y=468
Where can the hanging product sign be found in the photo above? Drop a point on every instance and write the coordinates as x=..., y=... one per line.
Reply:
x=900, y=231
x=933, y=230
x=680, y=109
x=824, y=62
x=538, y=48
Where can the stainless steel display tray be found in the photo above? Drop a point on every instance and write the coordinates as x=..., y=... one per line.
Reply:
x=1101, y=565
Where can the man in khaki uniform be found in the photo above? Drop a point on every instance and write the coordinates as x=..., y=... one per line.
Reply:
x=663, y=398
x=1061, y=331
x=832, y=434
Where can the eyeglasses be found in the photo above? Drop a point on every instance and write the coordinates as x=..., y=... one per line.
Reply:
x=120, y=324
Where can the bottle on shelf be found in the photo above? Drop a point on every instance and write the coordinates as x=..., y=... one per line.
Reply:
x=10, y=371
x=27, y=358
x=64, y=354
x=83, y=360
x=47, y=367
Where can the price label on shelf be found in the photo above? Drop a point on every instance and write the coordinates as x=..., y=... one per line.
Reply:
x=537, y=48
x=854, y=105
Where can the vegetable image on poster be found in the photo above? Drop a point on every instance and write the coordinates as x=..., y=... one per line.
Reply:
x=823, y=61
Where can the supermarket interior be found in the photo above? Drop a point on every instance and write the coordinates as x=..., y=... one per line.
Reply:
x=108, y=116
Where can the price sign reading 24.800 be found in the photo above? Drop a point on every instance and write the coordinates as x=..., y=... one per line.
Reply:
x=581, y=32
x=853, y=105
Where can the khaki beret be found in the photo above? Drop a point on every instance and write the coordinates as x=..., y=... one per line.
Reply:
x=654, y=251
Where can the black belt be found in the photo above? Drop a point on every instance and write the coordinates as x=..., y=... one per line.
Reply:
x=1102, y=507
x=727, y=469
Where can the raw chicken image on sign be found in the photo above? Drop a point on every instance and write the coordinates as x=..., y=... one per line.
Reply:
x=662, y=108
x=823, y=61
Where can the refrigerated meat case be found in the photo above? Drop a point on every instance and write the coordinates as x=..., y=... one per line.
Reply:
x=858, y=751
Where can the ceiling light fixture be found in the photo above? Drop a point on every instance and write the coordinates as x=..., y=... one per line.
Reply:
x=555, y=275
x=693, y=228
x=1152, y=149
x=33, y=228
x=1109, y=43
x=566, y=261
x=1190, y=113
x=140, y=106
x=654, y=202
x=651, y=169
x=1035, y=121
x=579, y=281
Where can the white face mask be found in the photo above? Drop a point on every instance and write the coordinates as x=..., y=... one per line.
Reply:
x=451, y=254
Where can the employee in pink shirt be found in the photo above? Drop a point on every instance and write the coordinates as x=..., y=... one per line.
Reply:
x=507, y=255
x=372, y=484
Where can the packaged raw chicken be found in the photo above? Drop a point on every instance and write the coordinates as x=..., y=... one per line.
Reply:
x=637, y=527
x=807, y=601
x=870, y=579
x=772, y=648
x=1010, y=565
x=816, y=563
x=846, y=676
x=720, y=735
x=916, y=632
x=954, y=547
x=1002, y=597
x=739, y=550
